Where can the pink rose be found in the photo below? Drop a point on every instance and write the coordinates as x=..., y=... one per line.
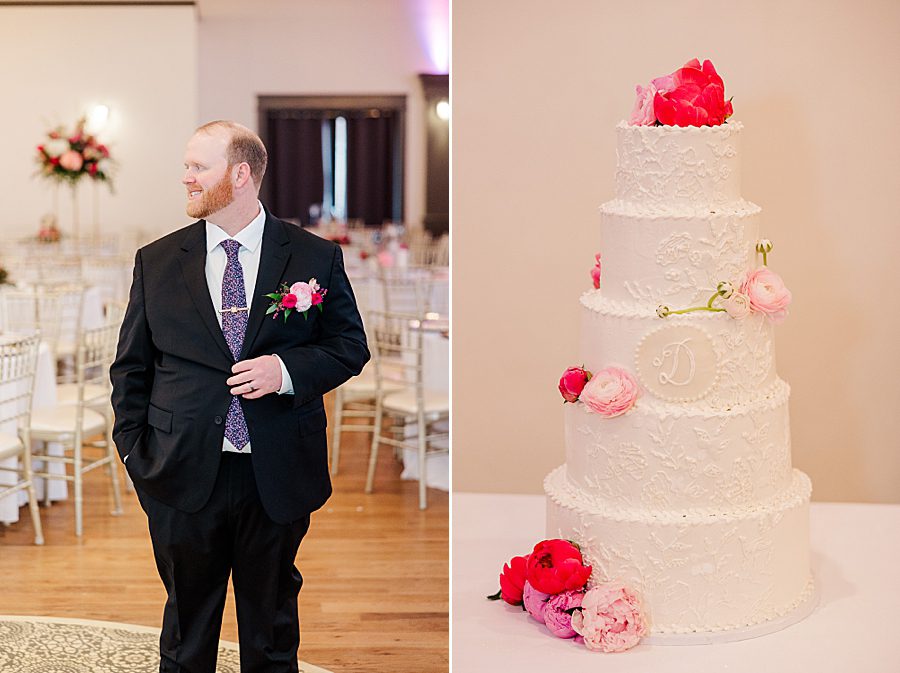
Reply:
x=572, y=383
x=556, y=615
x=595, y=272
x=767, y=294
x=610, y=392
x=643, y=114
x=71, y=160
x=316, y=298
x=695, y=97
x=289, y=301
x=535, y=601
x=304, y=293
x=610, y=619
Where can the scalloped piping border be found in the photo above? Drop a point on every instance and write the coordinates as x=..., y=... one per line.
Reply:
x=742, y=208
x=594, y=301
x=675, y=398
x=567, y=495
x=726, y=129
x=774, y=396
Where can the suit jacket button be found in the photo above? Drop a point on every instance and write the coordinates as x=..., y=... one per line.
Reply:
x=218, y=420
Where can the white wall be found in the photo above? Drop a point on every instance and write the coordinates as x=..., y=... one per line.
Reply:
x=538, y=88
x=58, y=61
x=308, y=47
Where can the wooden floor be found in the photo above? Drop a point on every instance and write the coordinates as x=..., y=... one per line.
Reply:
x=375, y=568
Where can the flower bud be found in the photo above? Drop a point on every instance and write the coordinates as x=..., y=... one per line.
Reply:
x=662, y=311
x=764, y=245
x=725, y=289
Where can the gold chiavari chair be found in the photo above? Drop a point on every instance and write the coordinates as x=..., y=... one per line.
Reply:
x=397, y=342
x=18, y=363
x=85, y=422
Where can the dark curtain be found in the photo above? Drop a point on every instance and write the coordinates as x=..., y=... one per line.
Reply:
x=370, y=142
x=294, y=174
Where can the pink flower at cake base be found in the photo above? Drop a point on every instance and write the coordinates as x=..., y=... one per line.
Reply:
x=767, y=294
x=535, y=602
x=572, y=383
x=610, y=619
x=556, y=615
x=556, y=566
x=610, y=392
x=512, y=580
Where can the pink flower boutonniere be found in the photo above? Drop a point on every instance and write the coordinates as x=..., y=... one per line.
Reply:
x=298, y=297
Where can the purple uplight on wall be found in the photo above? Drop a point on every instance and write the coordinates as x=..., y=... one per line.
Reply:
x=433, y=18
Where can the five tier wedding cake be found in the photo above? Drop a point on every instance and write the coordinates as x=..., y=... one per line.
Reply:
x=678, y=480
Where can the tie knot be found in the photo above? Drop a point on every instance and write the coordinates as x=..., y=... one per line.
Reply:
x=231, y=247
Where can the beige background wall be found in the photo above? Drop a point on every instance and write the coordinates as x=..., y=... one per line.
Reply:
x=538, y=88
x=57, y=63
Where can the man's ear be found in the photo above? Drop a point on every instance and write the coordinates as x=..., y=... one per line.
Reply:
x=242, y=174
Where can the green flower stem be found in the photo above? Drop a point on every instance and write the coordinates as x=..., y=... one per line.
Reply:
x=711, y=299
x=697, y=308
x=765, y=263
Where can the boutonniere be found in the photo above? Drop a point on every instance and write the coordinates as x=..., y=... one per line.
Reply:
x=297, y=297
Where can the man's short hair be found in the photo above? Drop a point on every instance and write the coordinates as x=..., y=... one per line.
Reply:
x=244, y=146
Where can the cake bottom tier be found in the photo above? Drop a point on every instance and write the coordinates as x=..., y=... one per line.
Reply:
x=698, y=572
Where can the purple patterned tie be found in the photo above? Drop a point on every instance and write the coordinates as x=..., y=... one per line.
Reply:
x=234, y=325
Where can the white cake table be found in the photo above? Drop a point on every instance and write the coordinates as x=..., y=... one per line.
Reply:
x=855, y=554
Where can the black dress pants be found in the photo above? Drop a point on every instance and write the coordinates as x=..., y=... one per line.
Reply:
x=195, y=553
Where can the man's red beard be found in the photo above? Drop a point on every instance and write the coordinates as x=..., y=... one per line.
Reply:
x=212, y=200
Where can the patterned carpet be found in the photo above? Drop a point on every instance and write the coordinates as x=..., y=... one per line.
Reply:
x=52, y=645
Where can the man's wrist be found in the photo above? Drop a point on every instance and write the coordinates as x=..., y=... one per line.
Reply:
x=287, y=386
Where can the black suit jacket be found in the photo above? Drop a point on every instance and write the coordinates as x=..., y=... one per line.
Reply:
x=169, y=392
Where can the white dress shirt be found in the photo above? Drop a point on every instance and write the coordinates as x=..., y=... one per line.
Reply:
x=250, y=238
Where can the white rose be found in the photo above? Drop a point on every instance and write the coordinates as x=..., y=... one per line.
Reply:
x=55, y=146
x=737, y=305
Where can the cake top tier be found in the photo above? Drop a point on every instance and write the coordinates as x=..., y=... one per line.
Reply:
x=695, y=168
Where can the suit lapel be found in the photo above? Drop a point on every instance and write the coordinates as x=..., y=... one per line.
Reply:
x=273, y=259
x=193, y=268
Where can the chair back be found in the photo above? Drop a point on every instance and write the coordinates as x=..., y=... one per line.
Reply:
x=52, y=309
x=397, y=349
x=18, y=363
x=405, y=290
x=95, y=355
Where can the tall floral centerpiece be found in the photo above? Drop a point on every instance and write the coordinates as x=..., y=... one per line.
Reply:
x=70, y=157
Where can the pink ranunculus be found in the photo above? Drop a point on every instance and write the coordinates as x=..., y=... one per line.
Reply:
x=535, y=601
x=610, y=392
x=304, y=294
x=737, y=305
x=767, y=294
x=643, y=114
x=572, y=383
x=595, y=272
x=610, y=619
x=71, y=160
x=696, y=97
x=556, y=615
x=512, y=580
x=289, y=301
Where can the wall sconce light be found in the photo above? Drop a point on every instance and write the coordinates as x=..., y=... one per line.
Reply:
x=97, y=118
x=442, y=109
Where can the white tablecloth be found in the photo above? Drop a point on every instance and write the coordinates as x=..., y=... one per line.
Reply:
x=854, y=559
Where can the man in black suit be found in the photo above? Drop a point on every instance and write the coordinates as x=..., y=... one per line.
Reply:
x=219, y=413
